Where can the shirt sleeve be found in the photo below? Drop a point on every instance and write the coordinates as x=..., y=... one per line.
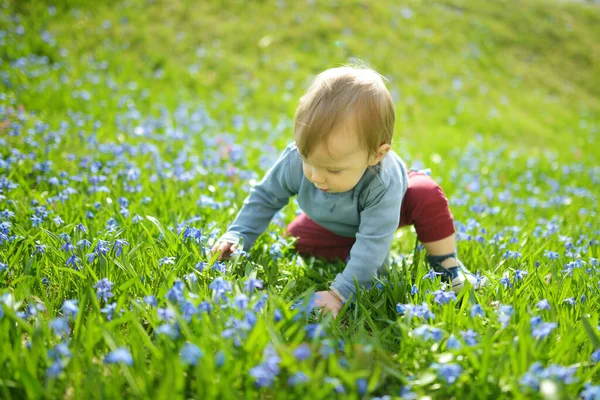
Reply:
x=378, y=222
x=265, y=199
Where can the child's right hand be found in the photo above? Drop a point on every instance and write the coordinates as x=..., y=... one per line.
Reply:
x=224, y=250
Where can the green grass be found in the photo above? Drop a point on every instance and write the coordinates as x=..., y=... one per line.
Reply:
x=500, y=99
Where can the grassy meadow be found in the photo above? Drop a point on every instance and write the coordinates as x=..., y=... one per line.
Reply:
x=131, y=132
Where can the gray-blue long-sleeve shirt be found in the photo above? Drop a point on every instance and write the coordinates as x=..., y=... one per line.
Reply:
x=370, y=212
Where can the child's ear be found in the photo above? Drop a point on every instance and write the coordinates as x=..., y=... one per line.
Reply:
x=379, y=154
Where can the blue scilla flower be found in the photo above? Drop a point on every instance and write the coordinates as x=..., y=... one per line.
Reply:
x=596, y=356
x=151, y=300
x=73, y=261
x=414, y=290
x=119, y=355
x=453, y=343
x=506, y=282
x=3, y=267
x=219, y=285
x=314, y=330
x=335, y=382
x=109, y=310
x=431, y=274
x=326, y=349
x=166, y=261
x=220, y=266
x=302, y=352
x=520, y=274
x=70, y=309
x=277, y=315
x=68, y=247
x=241, y=301
x=169, y=330
x=261, y=303
x=175, y=293
x=570, y=301
x=443, y=297
x=165, y=314
x=470, y=337
x=118, y=246
x=298, y=378
x=427, y=332
x=420, y=311
x=60, y=327
x=205, y=307
x=551, y=255
x=361, y=386
x=253, y=284
x=590, y=392
x=543, y=329
x=83, y=244
x=477, y=310
x=190, y=353
x=543, y=304
x=103, y=289
x=448, y=372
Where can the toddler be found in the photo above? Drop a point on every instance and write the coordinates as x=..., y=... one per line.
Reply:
x=353, y=189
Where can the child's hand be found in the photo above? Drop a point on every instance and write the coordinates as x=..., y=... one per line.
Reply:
x=224, y=249
x=330, y=301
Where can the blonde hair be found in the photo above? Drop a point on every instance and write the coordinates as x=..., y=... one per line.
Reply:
x=348, y=94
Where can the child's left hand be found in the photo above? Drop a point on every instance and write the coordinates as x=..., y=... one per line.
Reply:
x=329, y=301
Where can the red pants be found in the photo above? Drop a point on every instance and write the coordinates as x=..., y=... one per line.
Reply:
x=424, y=205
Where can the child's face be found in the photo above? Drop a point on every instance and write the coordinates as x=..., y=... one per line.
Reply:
x=339, y=169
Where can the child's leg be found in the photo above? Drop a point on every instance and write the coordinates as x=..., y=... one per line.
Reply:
x=426, y=207
x=317, y=241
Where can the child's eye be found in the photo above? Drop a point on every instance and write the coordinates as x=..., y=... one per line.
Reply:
x=333, y=171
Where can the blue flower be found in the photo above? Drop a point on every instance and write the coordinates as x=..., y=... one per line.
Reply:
x=444, y=297
x=167, y=261
x=432, y=274
x=470, y=337
x=590, y=392
x=241, y=301
x=570, y=301
x=477, y=310
x=448, y=372
x=427, y=332
x=338, y=387
x=361, y=386
x=190, y=353
x=109, y=310
x=453, y=343
x=297, y=378
x=220, y=286
x=543, y=330
x=119, y=355
x=70, y=309
x=506, y=282
x=169, y=330
x=543, y=305
x=220, y=359
x=252, y=284
x=175, y=293
x=415, y=310
x=73, y=261
x=103, y=289
x=313, y=330
x=118, y=246
x=414, y=290
x=596, y=356
x=60, y=326
x=151, y=300
x=302, y=352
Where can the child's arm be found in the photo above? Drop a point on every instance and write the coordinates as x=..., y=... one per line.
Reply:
x=265, y=199
x=378, y=222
